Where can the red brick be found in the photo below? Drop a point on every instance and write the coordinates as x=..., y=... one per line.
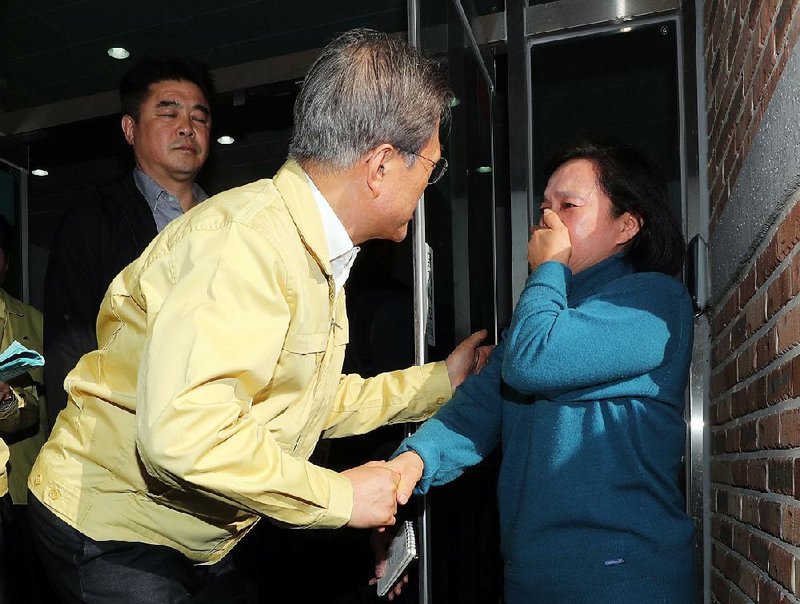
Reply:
x=718, y=442
x=757, y=474
x=718, y=322
x=790, y=524
x=769, y=434
x=741, y=540
x=748, y=581
x=746, y=362
x=739, y=331
x=770, y=514
x=720, y=350
x=766, y=263
x=796, y=576
x=770, y=593
x=788, y=329
x=749, y=435
x=779, y=384
x=720, y=471
x=794, y=269
x=755, y=396
x=779, y=293
x=717, y=382
x=781, y=476
x=718, y=554
x=739, y=473
x=732, y=440
x=758, y=392
x=790, y=427
x=739, y=404
x=747, y=289
x=759, y=551
x=794, y=32
x=721, y=499
x=789, y=235
x=782, y=21
x=797, y=479
x=753, y=13
x=724, y=412
x=726, y=532
x=767, y=349
x=781, y=564
x=765, y=22
x=750, y=510
x=732, y=565
x=735, y=505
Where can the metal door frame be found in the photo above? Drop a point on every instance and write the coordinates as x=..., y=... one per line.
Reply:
x=522, y=27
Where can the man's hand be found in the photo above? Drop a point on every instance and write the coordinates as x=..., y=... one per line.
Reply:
x=468, y=357
x=410, y=466
x=374, y=495
x=549, y=242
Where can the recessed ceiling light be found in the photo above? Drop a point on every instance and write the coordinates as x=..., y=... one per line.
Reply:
x=117, y=52
x=226, y=140
x=39, y=172
x=626, y=29
x=455, y=102
x=483, y=169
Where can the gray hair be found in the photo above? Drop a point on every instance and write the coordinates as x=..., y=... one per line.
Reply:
x=367, y=88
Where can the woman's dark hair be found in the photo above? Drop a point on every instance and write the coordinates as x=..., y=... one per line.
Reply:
x=134, y=87
x=634, y=184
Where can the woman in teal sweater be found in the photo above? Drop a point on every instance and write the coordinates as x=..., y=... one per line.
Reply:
x=585, y=393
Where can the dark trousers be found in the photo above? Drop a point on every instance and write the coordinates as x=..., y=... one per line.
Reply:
x=81, y=569
x=5, y=549
x=23, y=581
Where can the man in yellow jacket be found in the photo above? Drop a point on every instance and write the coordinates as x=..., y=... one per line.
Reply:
x=221, y=348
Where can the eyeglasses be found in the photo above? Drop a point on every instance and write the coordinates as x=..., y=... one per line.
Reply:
x=439, y=167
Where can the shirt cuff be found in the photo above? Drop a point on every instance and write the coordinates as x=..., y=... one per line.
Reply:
x=340, y=503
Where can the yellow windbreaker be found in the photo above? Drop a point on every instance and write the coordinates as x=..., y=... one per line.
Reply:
x=3, y=473
x=219, y=369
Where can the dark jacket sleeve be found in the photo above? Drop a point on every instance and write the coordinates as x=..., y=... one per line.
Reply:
x=95, y=241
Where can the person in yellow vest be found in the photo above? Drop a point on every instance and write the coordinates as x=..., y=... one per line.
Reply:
x=23, y=431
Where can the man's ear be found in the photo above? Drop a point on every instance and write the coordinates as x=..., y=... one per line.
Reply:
x=127, y=128
x=377, y=164
x=631, y=224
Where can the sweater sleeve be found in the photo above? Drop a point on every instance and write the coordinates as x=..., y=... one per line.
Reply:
x=626, y=329
x=464, y=431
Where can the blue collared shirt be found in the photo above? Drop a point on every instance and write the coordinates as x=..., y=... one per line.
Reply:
x=164, y=205
x=340, y=247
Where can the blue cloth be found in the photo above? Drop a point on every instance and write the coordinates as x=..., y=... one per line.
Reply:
x=585, y=391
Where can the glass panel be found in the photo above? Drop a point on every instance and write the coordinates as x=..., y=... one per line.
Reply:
x=10, y=196
x=621, y=87
x=460, y=221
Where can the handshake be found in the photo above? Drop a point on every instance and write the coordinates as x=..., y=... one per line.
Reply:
x=378, y=488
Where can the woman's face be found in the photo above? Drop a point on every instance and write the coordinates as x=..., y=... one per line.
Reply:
x=574, y=193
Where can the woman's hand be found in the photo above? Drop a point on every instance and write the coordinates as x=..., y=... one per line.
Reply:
x=410, y=467
x=549, y=242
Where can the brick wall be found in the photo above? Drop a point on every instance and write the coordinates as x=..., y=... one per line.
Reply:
x=754, y=407
x=755, y=433
x=747, y=44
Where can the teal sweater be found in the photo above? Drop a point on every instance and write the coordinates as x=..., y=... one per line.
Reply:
x=586, y=395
